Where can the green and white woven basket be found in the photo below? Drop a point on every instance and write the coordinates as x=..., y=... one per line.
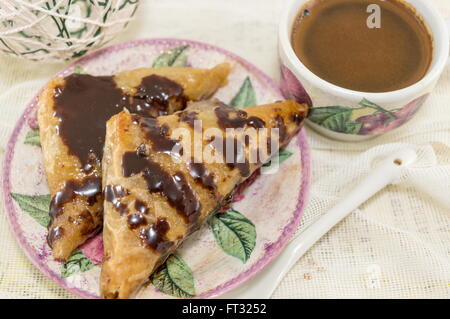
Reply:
x=53, y=30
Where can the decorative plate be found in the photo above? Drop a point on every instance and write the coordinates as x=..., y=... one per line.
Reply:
x=229, y=249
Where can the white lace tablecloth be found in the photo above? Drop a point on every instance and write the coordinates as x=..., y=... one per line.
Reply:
x=397, y=245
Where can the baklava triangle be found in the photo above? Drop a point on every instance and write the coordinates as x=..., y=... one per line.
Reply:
x=157, y=189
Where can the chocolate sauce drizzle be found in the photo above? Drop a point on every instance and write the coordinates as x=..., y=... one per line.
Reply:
x=282, y=130
x=141, y=207
x=154, y=236
x=188, y=117
x=174, y=187
x=114, y=195
x=90, y=187
x=255, y=122
x=153, y=95
x=159, y=137
x=201, y=175
x=54, y=234
x=136, y=220
x=297, y=118
x=228, y=117
x=84, y=104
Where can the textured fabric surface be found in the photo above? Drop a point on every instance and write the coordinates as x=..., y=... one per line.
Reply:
x=397, y=245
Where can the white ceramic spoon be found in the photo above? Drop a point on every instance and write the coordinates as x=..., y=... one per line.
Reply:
x=264, y=284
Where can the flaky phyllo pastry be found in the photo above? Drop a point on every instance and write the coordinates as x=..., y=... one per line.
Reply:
x=157, y=191
x=72, y=118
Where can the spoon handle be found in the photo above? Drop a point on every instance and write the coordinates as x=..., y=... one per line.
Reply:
x=264, y=284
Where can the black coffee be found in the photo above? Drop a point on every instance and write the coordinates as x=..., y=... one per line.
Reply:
x=332, y=39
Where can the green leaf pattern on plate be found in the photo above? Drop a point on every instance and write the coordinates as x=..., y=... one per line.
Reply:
x=246, y=95
x=36, y=206
x=234, y=233
x=174, y=278
x=176, y=57
x=77, y=263
x=78, y=69
x=282, y=154
x=32, y=138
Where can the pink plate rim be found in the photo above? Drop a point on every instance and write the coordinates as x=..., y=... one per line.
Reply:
x=271, y=251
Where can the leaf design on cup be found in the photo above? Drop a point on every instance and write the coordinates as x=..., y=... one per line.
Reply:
x=366, y=119
x=335, y=118
x=174, y=278
x=234, y=233
x=292, y=89
x=381, y=122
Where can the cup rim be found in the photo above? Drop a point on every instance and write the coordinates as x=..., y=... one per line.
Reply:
x=440, y=59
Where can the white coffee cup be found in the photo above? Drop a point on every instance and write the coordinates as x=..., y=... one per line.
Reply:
x=334, y=108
